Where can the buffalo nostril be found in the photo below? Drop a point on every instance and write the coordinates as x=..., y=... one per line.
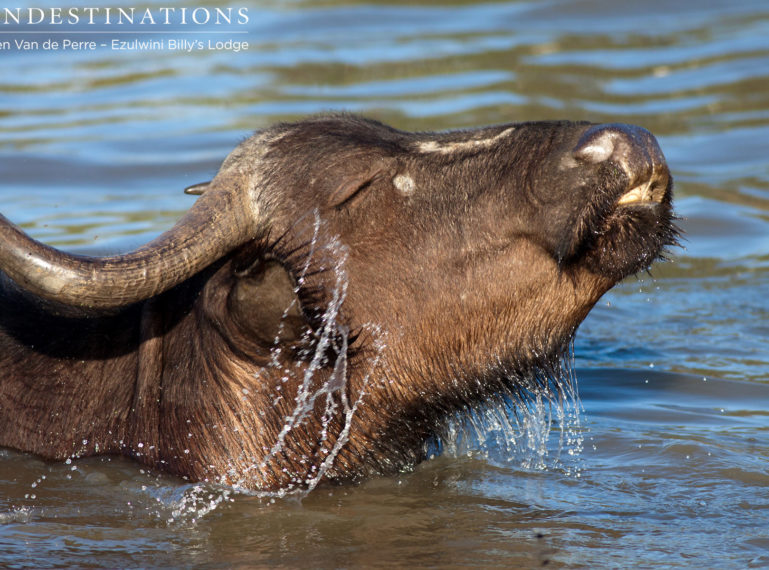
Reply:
x=632, y=148
x=594, y=147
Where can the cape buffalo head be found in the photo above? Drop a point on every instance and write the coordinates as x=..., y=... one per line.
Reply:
x=337, y=290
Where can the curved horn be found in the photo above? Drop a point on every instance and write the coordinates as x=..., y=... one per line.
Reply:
x=220, y=220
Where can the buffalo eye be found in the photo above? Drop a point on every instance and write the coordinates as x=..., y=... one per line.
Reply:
x=347, y=180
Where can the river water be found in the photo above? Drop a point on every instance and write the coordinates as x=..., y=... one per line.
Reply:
x=671, y=462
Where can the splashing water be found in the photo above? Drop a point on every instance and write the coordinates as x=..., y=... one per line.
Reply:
x=191, y=503
x=332, y=337
x=533, y=428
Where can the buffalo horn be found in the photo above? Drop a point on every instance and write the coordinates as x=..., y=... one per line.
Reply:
x=220, y=220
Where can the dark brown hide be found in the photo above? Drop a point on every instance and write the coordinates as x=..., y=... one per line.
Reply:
x=338, y=290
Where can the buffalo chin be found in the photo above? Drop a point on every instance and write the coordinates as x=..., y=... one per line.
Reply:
x=634, y=235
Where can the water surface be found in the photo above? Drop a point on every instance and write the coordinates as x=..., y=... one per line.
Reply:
x=673, y=367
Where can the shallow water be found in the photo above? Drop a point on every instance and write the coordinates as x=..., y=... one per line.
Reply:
x=673, y=369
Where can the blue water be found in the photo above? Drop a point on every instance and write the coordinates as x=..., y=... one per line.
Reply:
x=673, y=367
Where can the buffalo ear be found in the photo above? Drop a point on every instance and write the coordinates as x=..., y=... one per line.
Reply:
x=346, y=180
x=264, y=302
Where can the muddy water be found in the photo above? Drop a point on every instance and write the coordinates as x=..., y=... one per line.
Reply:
x=672, y=466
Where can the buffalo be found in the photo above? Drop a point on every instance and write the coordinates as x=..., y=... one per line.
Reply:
x=336, y=292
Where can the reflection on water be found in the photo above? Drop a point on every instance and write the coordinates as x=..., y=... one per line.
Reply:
x=95, y=148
